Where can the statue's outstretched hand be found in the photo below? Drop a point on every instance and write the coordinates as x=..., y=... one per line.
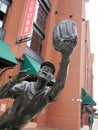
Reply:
x=21, y=75
x=65, y=37
x=4, y=90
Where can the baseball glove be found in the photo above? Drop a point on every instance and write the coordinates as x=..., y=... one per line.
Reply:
x=65, y=36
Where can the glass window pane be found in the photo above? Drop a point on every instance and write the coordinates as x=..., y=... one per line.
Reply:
x=3, y=8
x=1, y=24
x=28, y=43
x=2, y=16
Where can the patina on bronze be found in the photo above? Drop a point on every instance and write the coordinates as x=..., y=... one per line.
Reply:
x=32, y=94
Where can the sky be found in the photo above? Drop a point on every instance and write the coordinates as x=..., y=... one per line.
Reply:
x=92, y=16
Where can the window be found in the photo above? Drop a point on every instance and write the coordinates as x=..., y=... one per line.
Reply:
x=4, y=5
x=3, y=11
x=40, y=17
x=2, y=33
x=38, y=30
x=37, y=43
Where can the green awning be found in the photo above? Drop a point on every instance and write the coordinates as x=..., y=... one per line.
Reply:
x=6, y=56
x=29, y=62
x=87, y=99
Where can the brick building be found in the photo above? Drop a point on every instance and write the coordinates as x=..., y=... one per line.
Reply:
x=24, y=46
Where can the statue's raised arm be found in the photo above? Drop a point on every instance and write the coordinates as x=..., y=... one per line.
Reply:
x=64, y=40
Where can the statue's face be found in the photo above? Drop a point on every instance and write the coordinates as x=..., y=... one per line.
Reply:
x=45, y=73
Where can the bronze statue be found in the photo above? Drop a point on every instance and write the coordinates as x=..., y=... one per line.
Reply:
x=32, y=94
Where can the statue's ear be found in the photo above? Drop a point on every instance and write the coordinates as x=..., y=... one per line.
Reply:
x=51, y=83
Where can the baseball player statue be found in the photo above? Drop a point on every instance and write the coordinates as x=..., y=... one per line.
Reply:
x=32, y=94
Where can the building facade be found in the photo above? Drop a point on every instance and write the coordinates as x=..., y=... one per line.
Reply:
x=24, y=46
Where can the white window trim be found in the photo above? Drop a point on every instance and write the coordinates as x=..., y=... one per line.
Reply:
x=1, y=23
x=3, y=7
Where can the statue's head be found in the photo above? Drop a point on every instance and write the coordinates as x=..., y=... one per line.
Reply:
x=46, y=71
x=49, y=64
